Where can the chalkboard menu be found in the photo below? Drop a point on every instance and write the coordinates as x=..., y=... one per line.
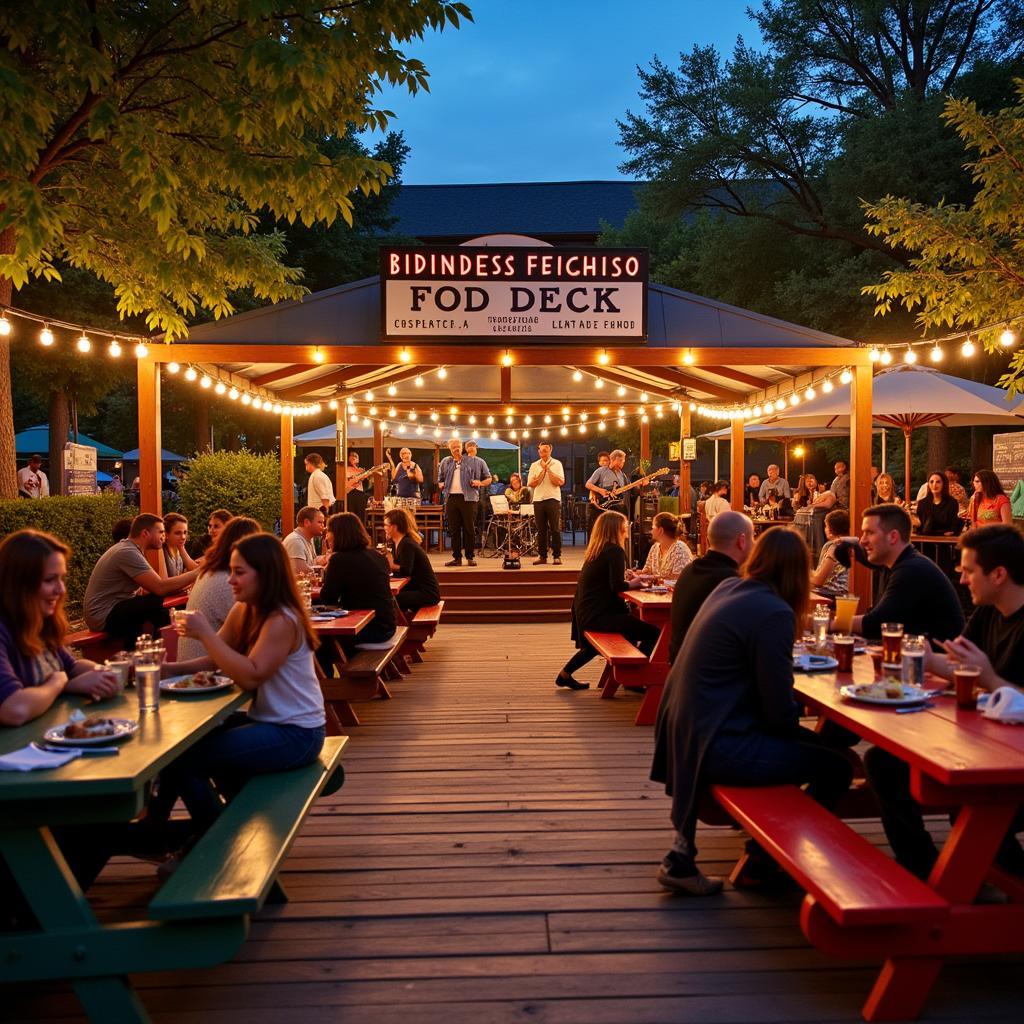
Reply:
x=1008, y=458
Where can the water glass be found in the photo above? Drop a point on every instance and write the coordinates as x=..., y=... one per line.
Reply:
x=912, y=660
x=147, y=679
x=892, y=639
x=821, y=620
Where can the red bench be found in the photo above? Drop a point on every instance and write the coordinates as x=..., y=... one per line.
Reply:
x=422, y=626
x=94, y=644
x=363, y=677
x=627, y=665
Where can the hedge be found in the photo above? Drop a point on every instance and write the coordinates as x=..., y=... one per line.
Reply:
x=84, y=524
x=243, y=483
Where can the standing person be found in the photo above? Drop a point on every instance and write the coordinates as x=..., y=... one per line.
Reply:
x=356, y=498
x=32, y=481
x=885, y=490
x=729, y=712
x=717, y=502
x=773, y=483
x=938, y=512
x=601, y=483
x=752, y=491
x=989, y=503
x=111, y=602
x=410, y=561
x=319, y=491
x=266, y=646
x=545, y=480
x=461, y=478
x=483, y=505
x=598, y=604
x=309, y=525
x=992, y=568
x=730, y=538
x=408, y=477
x=668, y=555
x=840, y=486
x=174, y=558
x=212, y=594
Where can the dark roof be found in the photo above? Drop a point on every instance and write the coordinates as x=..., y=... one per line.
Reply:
x=544, y=209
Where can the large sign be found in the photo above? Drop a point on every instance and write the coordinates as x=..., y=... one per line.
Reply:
x=513, y=293
x=1008, y=458
x=79, y=469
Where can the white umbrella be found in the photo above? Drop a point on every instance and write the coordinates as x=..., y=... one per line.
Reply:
x=908, y=397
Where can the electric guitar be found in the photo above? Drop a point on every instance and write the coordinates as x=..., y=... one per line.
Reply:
x=352, y=481
x=612, y=498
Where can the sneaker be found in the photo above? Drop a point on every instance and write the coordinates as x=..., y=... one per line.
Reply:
x=570, y=683
x=677, y=874
x=454, y=561
x=542, y=560
x=556, y=560
x=470, y=561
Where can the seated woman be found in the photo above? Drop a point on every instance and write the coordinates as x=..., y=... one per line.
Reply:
x=989, y=503
x=668, y=556
x=885, y=490
x=830, y=577
x=598, y=604
x=174, y=558
x=410, y=561
x=358, y=577
x=266, y=646
x=211, y=593
x=728, y=715
x=938, y=513
x=516, y=493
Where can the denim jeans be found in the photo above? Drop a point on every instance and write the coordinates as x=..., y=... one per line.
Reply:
x=221, y=762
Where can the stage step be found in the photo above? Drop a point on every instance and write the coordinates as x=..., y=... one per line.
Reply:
x=541, y=594
x=506, y=614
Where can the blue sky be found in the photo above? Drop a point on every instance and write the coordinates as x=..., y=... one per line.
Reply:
x=531, y=91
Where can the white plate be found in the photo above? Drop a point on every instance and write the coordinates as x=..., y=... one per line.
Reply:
x=911, y=695
x=657, y=590
x=814, y=663
x=124, y=727
x=167, y=685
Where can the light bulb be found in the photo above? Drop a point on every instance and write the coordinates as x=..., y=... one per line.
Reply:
x=494, y=435
x=565, y=417
x=583, y=428
x=392, y=412
x=1007, y=338
x=886, y=358
x=83, y=344
x=5, y=325
x=810, y=394
x=332, y=404
x=757, y=410
x=564, y=431
x=114, y=349
x=434, y=416
x=643, y=397
x=373, y=410
x=368, y=396
x=967, y=349
x=221, y=387
x=874, y=355
x=401, y=428
x=257, y=403
x=794, y=399
x=512, y=434
x=246, y=399
x=827, y=387
x=621, y=422
x=419, y=429
x=620, y=391
x=46, y=336
x=353, y=418
x=527, y=419
x=453, y=409
x=472, y=419
x=577, y=376
x=600, y=426
x=845, y=377
x=173, y=367
x=603, y=358
x=490, y=421
x=233, y=394
x=547, y=419
x=524, y=434
x=190, y=374
x=693, y=407
x=366, y=421
x=544, y=432
x=437, y=431
x=506, y=359
x=392, y=390
x=936, y=354
x=205, y=382
x=318, y=356
x=509, y=420
x=910, y=356
x=405, y=356
x=643, y=419
x=688, y=358
x=412, y=416
x=442, y=372
x=418, y=382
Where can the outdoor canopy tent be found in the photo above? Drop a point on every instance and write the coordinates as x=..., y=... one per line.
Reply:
x=36, y=440
x=165, y=456
x=357, y=432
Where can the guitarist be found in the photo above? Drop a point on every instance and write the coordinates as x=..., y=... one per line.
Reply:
x=601, y=483
x=355, y=486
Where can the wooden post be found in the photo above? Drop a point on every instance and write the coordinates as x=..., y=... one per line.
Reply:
x=645, y=442
x=736, y=462
x=685, y=427
x=150, y=468
x=341, y=458
x=907, y=496
x=378, y=458
x=860, y=472
x=287, y=474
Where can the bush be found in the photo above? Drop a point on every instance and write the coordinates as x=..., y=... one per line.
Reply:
x=84, y=524
x=243, y=483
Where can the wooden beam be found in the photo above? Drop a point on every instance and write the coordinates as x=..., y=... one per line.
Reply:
x=391, y=375
x=378, y=458
x=668, y=394
x=686, y=380
x=287, y=476
x=736, y=478
x=150, y=467
x=326, y=380
x=738, y=375
x=645, y=441
x=860, y=473
x=274, y=375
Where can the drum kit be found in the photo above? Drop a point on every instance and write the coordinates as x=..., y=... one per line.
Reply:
x=511, y=531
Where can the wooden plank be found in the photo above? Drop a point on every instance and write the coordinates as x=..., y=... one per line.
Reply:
x=150, y=466
x=737, y=477
x=287, y=475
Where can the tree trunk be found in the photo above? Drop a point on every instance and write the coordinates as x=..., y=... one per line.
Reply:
x=981, y=448
x=8, y=465
x=938, y=449
x=59, y=421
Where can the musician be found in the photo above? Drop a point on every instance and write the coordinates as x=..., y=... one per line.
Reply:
x=407, y=477
x=601, y=483
x=319, y=493
x=355, y=486
x=461, y=478
x=545, y=480
x=483, y=506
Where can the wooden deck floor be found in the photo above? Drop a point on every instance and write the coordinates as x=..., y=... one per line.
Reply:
x=491, y=859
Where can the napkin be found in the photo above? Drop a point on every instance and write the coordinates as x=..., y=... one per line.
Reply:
x=1006, y=705
x=31, y=757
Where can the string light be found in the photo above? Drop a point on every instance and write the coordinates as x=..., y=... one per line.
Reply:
x=910, y=356
x=603, y=358
x=318, y=356
x=1007, y=338
x=46, y=336
x=845, y=377
x=405, y=356
x=83, y=344
x=442, y=373
x=233, y=394
x=936, y=354
x=5, y=325
x=114, y=349
x=577, y=376
x=246, y=398
x=368, y=396
x=827, y=387
x=688, y=357
x=967, y=349
x=173, y=367
x=621, y=391
x=506, y=359
x=205, y=382
x=392, y=390
x=418, y=382
x=874, y=355
x=886, y=357
x=598, y=383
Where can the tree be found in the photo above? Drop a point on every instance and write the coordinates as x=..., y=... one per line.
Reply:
x=142, y=142
x=968, y=267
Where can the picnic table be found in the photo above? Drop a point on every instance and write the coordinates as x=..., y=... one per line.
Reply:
x=657, y=610
x=957, y=759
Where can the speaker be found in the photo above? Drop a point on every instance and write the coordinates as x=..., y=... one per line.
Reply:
x=647, y=511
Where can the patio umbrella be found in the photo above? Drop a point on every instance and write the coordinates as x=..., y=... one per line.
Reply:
x=165, y=456
x=37, y=439
x=908, y=397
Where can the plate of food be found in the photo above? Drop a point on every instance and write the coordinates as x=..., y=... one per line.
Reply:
x=91, y=731
x=813, y=662
x=890, y=692
x=198, y=682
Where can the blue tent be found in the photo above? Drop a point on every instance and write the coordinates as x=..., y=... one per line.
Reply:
x=36, y=440
x=165, y=456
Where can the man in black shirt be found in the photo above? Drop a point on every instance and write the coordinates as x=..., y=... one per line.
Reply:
x=914, y=590
x=730, y=538
x=992, y=568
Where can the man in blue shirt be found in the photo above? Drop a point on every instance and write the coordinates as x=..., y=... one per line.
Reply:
x=461, y=478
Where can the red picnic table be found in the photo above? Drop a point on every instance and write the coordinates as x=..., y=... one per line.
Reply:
x=336, y=696
x=958, y=759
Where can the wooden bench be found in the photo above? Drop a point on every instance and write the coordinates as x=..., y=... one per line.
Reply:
x=627, y=665
x=232, y=870
x=94, y=644
x=845, y=876
x=422, y=626
x=363, y=677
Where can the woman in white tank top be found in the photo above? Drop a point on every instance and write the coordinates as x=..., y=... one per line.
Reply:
x=266, y=646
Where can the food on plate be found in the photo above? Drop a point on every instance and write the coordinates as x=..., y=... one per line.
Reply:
x=199, y=681
x=90, y=727
x=890, y=690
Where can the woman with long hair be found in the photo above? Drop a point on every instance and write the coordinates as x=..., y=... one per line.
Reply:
x=357, y=577
x=211, y=593
x=174, y=558
x=885, y=490
x=831, y=577
x=729, y=716
x=516, y=492
x=35, y=666
x=668, y=555
x=410, y=561
x=598, y=604
x=989, y=503
x=938, y=512
x=266, y=646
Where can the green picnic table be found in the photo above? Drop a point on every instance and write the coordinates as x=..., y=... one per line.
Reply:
x=200, y=916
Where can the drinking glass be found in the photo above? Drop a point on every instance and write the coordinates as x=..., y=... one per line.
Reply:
x=912, y=659
x=846, y=608
x=147, y=679
x=892, y=638
x=119, y=668
x=842, y=648
x=821, y=619
x=965, y=682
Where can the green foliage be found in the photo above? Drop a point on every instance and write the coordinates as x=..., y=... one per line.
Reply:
x=244, y=483
x=84, y=524
x=968, y=267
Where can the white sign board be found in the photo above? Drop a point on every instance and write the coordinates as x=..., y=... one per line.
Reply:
x=513, y=293
x=79, y=469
